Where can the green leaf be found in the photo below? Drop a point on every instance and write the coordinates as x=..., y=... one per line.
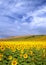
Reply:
x=1, y=51
x=7, y=52
x=32, y=63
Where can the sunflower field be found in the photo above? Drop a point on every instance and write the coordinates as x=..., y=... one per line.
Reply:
x=22, y=53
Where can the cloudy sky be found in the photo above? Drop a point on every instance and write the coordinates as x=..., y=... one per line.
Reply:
x=22, y=17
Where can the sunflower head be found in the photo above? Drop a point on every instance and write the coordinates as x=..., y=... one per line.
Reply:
x=14, y=62
x=31, y=52
x=25, y=56
x=1, y=55
x=2, y=48
x=10, y=57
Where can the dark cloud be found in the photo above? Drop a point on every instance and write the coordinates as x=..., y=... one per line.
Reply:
x=29, y=19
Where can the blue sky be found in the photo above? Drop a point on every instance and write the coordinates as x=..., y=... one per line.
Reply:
x=22, y=17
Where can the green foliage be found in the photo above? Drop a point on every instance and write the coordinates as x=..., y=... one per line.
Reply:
x=36, y=59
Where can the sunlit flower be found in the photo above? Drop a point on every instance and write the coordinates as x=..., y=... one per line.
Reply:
x=31, y=52
x=10, y=57
x=14, y=62
x=13, y=49
x=2, y=47
x=18, y=48
x=1, y=55
x=25, y=56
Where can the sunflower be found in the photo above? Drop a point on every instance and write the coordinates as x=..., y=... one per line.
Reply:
x=14, y=62
x=2, y=48
x=1, y=55
x=10, y=57
x=25, y=56
x=31, y=52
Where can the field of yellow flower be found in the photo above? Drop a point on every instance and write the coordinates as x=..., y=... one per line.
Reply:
x=22, y=53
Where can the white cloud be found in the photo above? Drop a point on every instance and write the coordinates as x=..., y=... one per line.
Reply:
x=14, y=17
